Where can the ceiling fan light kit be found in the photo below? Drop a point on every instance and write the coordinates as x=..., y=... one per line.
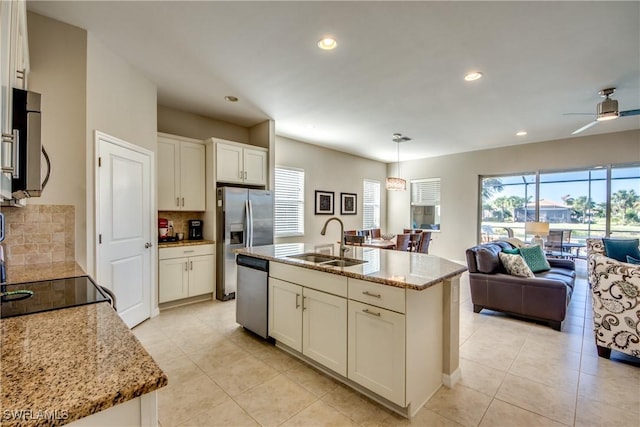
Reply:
x=607, y=110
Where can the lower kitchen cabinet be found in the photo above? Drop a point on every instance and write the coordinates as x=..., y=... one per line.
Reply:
x=377, y=350
x=310, y=322
x=185, y=271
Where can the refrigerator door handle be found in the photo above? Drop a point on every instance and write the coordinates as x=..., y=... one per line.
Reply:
x=251, y=222
x=246, y=224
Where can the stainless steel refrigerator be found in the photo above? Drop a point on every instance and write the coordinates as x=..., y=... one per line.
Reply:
x=244, y=217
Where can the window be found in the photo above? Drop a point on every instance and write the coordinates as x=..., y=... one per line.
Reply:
x=289, y=202
x=593, y=202
x=371, y=205
x=425, y=204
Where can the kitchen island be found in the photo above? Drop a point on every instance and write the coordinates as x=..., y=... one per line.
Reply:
x=383, y=322
x=78, y=365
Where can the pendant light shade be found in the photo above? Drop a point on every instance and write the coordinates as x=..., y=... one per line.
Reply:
x=397, y=183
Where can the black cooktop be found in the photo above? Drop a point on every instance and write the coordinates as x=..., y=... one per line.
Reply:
x=35, y=297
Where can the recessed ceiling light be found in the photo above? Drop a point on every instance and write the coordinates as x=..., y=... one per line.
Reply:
x=472, y=76
x=521, y=133
x=327, y=43
x=231, y=98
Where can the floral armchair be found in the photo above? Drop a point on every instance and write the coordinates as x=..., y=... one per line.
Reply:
x=615, y=291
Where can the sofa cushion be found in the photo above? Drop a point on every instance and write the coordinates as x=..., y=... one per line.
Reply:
x=563, y=271
x=535, y=259
x=515, y=265
x=549, y=275
x=618, y=249
x=632, y=260
x=487, y=258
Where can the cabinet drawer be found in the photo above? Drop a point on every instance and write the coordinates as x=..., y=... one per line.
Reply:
x=185, y=251
x=314, y=279
x=384, y=296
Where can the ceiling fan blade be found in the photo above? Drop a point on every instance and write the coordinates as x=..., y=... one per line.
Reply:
x=585, y=127
x=629, y=113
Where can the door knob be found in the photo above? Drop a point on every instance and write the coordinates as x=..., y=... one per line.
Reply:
x=148, y=245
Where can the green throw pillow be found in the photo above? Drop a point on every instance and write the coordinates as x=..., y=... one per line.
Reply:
x=632, y=260
x=514, y=251
x=618, y=249
x=535, y=259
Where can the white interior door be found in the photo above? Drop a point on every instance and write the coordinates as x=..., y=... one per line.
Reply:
x=124, y=226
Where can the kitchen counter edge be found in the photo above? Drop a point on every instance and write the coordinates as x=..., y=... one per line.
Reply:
x=455, y=269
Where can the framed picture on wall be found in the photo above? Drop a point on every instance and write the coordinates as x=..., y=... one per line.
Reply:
x=348, y=204
x=324, y=202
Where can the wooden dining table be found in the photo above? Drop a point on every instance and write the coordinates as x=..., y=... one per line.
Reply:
x=377, y=243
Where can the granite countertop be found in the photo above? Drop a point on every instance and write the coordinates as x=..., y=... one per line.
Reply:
x=407, y=270
x=46, y=271
x=71, y=363
x=185, y=243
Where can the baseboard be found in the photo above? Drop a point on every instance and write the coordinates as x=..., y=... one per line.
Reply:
x=451, y=380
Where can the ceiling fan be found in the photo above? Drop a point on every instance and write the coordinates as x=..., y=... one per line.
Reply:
x=607, y=110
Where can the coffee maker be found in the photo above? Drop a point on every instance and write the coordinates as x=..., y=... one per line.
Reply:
x=195, y=229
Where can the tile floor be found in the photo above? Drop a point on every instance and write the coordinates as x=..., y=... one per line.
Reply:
x=514, y=373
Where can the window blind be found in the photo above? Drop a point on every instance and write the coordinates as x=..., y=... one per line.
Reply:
x=289, y=202
x=371, y=204
x=425, y=192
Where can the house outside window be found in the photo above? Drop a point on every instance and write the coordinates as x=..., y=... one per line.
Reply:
x=371, y=204
x=289, y=202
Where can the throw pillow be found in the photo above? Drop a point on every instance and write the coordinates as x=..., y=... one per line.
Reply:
x=515, y=265
x=632, y=260
x=535, y=259
x=514, y=251
x=618, y=249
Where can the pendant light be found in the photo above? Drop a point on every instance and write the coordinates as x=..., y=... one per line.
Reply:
x=397, y=183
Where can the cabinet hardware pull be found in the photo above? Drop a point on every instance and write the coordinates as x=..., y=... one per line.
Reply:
x=297, y=300
x=20, y=74
x=240, y=175
x=190, y=265
x=303, y=307
x=245, y=174
x=188, y=252
x=186, y=266
x=183, y=202
x=178, y=201
x=371, y=295
x=366, y=310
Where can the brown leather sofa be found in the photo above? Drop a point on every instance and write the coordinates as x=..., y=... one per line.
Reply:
x=543, y=298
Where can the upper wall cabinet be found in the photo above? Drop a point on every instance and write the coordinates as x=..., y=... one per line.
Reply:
x=241, y=164
x=14, y=66
x=181, y=174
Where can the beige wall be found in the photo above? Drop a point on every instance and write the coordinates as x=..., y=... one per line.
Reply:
x=191, y=125
x=460, y=172
x=329, y=170
x=121, y=102
x=58, y=71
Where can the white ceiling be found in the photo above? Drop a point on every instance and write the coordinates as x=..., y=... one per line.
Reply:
x=399, y=66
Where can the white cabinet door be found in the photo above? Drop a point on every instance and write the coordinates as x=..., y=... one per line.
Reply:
x=229, y=163
x=376, y=350
x=255, y=167
x=285, y=313
x=168, y=175
x=201, y=275
x=173, y=279
x=192, y=176
x=324, y=333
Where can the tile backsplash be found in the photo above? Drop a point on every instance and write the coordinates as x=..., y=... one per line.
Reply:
x=39, y=234
x=181, y=220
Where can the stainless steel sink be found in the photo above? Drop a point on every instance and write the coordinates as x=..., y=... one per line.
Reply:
x=344, y=262
x=328, y=260
x=312, y=257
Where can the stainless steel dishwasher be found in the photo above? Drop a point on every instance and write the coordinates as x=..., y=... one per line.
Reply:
x=252, y=294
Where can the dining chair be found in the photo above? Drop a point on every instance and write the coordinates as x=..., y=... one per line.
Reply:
x=555, y=240
x=403, y=241
x=412, y=230
x=375, y=233
x=423, y=244
x=355, y=240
